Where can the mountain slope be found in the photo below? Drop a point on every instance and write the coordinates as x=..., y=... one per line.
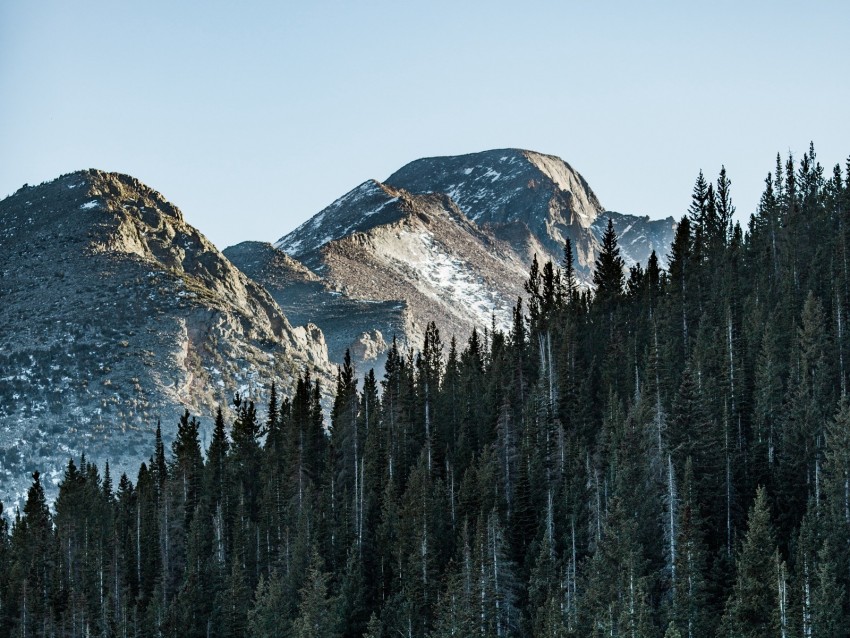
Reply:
x=531, y=200
x=363, y=326
x=117, y=313
x=389, y=262
x=447, y=239
x=638, y=236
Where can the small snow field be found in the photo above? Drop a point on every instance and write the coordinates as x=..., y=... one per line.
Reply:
x=456, y=282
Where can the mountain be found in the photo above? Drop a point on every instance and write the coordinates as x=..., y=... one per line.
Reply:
x=117, y=313
x=389, y=261
x=447, y=239
x=638, y=236
x=306, y=298
x=530, y=200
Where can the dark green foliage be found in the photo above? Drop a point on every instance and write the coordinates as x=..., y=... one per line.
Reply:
x=316, y=617
x=608, y=275
x=667, y=456
x=753, y=609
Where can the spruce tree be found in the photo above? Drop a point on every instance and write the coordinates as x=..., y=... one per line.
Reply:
x=268, y=617
x=608, y=277
x=829, y=619
x=32, y=542
x=5, y=603
x=752, y=609
x=316, y=617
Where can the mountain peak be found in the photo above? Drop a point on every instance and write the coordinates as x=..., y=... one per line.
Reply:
x=368, y=205
x=504, y=185
x=446, y=239
x=94, y=189
x=118, y=313
x=532, y=200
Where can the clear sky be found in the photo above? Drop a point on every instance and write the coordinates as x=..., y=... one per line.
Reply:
x=251, y=116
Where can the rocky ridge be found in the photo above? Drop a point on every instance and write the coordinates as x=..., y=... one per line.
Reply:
x=116, y=314
x=447, y=239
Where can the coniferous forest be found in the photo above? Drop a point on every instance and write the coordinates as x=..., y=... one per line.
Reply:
x=665, y=455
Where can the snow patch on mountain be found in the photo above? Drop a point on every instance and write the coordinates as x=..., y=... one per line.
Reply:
x=356, y=211
x=456, y=282
x=637, y=236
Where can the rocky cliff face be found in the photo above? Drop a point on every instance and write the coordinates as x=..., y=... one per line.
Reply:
x=637, y=236
x=447, y=239
x=387, y=262
x=532, y=201
x=117, y=313
x=361, y=325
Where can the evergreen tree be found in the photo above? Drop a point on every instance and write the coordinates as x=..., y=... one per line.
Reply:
x=5, y=603
x=829, y=619
x=317, y=618
x=268, y=617
x=608, y=277
x=752, y=609
x=32, y=545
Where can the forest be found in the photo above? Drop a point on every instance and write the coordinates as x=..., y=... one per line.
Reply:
x=665, y=454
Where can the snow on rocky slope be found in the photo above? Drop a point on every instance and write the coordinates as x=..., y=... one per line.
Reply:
x=532, y=201
x=638, y=236
x=397, y=261
x=449, y=239
x=116, y=313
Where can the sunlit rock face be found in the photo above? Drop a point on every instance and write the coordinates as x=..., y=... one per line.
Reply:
x=115, y=314
x=447, y=239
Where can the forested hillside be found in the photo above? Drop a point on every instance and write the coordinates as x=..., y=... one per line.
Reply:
x=666, y=456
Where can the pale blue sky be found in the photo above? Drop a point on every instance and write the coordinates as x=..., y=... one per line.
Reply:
x=251, y=117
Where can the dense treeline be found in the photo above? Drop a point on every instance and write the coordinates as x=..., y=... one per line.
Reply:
x=668, y=456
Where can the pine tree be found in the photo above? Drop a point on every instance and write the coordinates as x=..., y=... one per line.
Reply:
x=348, y=444
x=608, y=277
x=183, y=493
x=767, y=406
x=5, y=603
x=682, y=291
x=691, y=604
x=316, y=618
x=273, y=428
x=568, y=275
x=752, y=610
x=699, y=204
x=32, y=543
x=231, y=617
x=268, y=617
x=725, y=208
x=829, y=619
x=836, y=487
x=215, y=474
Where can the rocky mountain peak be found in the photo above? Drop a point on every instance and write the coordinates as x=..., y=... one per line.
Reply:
x=531, y=200
x=370, y=204
x=494, y=186
x=447, y=239
x=118, y=313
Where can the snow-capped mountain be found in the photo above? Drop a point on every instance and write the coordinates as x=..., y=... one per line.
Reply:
x=447, y=239
x=532, y=201
x=117, y=313
x=389, y=262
